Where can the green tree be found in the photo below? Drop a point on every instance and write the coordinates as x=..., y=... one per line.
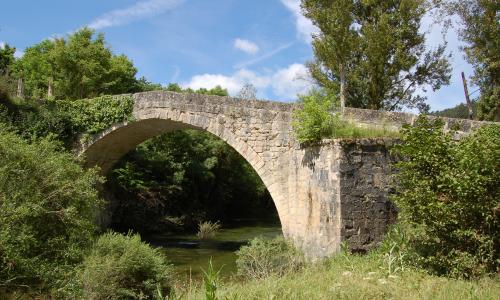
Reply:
x=447, y=196
x=481, y=33
x=377, y=44
x=6, y=59
x=37, y=69
x=334, y=45
x=79, y=66
x=47, y=208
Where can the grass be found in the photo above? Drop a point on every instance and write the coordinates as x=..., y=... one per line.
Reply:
x=355, y=277
x=207, y=230
x=347, y=129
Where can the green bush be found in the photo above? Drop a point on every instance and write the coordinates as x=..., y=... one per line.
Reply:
x=263, y=258
x=91, y=116
x=47, y=208
x=66, y=120
x=448, y=194
x=124, y=267
x=314, y=120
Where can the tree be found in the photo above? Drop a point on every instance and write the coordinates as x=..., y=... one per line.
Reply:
x=36, y=68
x=447, y=196
x=481, y=33
x=334, y=45
x=80, y=66
x=6, y=59
x=372, y=53
x=48, y=205
x=247, y=92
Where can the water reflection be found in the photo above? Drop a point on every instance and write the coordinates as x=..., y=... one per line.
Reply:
x=190, y=255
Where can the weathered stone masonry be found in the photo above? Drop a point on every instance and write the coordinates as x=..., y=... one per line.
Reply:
x=324, y=194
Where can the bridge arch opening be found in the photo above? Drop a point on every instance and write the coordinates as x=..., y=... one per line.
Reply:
x=112, y=149
x=107, y=148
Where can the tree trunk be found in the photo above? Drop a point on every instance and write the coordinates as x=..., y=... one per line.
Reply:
x=20, y=88
x=467, y=99
x=49, y=90
x=343, y=89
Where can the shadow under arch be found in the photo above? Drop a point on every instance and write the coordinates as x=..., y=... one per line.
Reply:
x=107, y=148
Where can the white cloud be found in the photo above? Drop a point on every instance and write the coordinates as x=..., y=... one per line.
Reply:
x=246, y=46
x=285, y=83
x=232, y=83
x=2, y=44
x=303, y=25
x=290, y=81
x=140, y=10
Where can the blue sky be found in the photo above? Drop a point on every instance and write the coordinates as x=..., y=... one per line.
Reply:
x=202, y=43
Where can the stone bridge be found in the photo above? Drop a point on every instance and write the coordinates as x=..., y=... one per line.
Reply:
x=325, y=194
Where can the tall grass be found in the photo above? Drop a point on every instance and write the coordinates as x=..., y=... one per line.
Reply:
x=207, y=230
x=382, y=274
x=358, y=277
x=347, y=129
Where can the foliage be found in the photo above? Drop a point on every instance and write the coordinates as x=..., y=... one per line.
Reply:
x=373, y=52
x=315, y=120
x=91, y=116
x=6, y=59
x=5, y=98
x=146, y=86
x=207, y=230
x=263, y=258
x=185, y=175
x=448, y=196
x=211, y=282
x=216, y=91
x=191, y=175
x=460, y=111
x=66, y=120
x=481, y=33
x=47, y=208
x=124, y=267
x=80, y=66
x=357, y=277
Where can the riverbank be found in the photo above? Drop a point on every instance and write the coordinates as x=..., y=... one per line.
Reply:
x=352, y=277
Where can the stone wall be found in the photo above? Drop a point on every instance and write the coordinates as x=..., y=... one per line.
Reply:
x=395, y=120
x=324, y=194
x=365, y=174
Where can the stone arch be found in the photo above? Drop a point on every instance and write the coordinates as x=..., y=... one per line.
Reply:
x=324, y=193
x=108, y=147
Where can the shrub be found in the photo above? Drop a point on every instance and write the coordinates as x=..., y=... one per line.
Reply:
x=91, y=116
x=314, y=120
x=207, y=230
x=124, y=267
x=47, y=208
x=263, y=258
x=448, y=194
x=65, y=119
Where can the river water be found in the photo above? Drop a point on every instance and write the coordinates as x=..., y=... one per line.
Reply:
x=190, y=255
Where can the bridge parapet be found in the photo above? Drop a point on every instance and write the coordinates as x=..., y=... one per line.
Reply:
x=327, y=193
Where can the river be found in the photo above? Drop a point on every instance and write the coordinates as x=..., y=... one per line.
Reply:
x=190, y=255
